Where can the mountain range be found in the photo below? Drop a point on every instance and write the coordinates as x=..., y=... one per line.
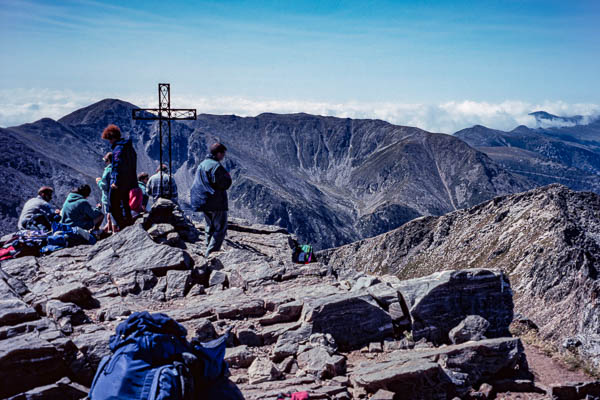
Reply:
x=329, y=180
x=569, y=155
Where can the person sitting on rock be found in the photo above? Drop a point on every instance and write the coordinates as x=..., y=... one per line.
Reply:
x=168, y=191
x=142, y=184
x=209, y=195
x=38, y=214
x=123, y=176
x=104, y=185
x=78, y=212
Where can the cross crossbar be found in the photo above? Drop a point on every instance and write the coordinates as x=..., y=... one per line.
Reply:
x=153, y=114
x=164, y=114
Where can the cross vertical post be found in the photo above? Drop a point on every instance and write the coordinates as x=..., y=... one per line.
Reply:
x=164, y=114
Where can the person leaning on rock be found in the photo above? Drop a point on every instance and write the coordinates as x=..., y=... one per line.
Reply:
x=209, y=195
x=168, y=191
x=38, y=214
x=123, y=176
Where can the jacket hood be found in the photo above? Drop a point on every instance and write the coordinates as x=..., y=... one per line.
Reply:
x=122, y=142
x=73, y=197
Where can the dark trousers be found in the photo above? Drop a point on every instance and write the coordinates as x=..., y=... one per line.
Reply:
x=119, y=207
x=215, y=230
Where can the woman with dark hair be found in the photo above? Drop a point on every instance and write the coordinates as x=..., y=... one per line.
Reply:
x=123, y=176
x=77, y=211
x=104, y=185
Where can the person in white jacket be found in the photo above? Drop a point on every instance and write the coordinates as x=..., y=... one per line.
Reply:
x=38, y=214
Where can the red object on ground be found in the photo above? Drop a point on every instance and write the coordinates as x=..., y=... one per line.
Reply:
x=300, y=396
x=6, y=254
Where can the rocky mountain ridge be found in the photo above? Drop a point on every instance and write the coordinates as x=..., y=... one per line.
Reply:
x=329, y=180
x=569, y=155
x=546, y=241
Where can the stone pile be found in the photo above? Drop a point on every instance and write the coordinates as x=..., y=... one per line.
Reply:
x=293, y=327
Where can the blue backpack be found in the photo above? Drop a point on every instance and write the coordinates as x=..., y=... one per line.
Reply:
x=152, y=360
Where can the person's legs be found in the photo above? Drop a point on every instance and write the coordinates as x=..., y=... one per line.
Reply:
x=126, y=209
x=39, y=223
x=98, y=221
x=105, y=210
x=208, y=228
x=116, y=208
x=43, y=222
x=219, y=225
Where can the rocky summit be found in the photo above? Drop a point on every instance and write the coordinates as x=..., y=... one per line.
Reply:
x=325, y=329
x=546, y=241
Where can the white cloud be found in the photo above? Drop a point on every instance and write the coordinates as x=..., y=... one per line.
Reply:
x=30, y=105
x=20, y=106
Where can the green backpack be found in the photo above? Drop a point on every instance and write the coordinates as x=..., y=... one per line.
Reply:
x=303, y=254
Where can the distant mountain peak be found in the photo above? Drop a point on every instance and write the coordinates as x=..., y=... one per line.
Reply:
x=521, y=128
x=107, y=108
x=545, y=119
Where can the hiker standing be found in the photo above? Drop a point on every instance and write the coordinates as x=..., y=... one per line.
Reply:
x=209, y=195
x=38, y=214
x=78, y=212
x=168, y=191
x=104, y=185
x=123, y=176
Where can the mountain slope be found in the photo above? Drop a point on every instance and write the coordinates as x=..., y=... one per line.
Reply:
x=546, y=240
x=28, y=164
x=329, y=180
x=542, y=155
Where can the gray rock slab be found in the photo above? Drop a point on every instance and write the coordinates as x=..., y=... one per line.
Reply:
x=440, y=301
x=178, y=283
x=415, y=379
x=262, y=370
x=131, y=250
x=26, y=361
x=319, y=363
x=473, y=327
x=353, y=319
x=284, y=313
x=239, y=357
x=14, y=311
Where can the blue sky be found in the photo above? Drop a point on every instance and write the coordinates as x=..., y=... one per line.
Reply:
x=350, y=58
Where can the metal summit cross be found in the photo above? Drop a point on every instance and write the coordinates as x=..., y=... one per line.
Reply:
x=164, y=114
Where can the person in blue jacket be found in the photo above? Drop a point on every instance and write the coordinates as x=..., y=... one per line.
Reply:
x=123, y=176
x=209, y=195
x=77, y=211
